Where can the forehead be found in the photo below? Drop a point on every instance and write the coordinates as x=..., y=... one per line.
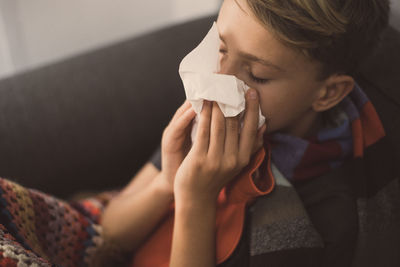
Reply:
x=243, y=32
x=239, y=26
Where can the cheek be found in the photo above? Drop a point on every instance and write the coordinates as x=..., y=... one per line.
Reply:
x=281, y=109
x=274, y=108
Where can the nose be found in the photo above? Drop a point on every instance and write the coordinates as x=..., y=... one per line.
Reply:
x=227, y=67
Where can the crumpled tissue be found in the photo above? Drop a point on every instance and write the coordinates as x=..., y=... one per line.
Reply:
x=201, y=80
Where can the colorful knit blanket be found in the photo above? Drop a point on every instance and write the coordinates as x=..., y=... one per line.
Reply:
x=37, y=229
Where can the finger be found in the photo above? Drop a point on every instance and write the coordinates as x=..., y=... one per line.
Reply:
x=184, y=120
x=232, y=136
x=203, y=130
x=185, y=106
x=250, y=124
x=259, y=143
x=217, y=133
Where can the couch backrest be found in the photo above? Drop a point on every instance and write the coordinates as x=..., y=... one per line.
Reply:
x=380, y=78
x=91, y=121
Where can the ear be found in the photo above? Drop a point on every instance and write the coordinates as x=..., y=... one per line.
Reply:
x=333, y=90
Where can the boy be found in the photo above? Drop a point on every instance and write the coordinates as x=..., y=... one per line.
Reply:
x=323, y=142
x=299, y=58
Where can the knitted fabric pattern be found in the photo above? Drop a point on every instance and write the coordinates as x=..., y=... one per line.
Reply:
x=38, y=229
x=351, y=126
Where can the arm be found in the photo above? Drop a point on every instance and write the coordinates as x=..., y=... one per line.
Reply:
x=217, y=156
x=134, y=213
x=194, y=234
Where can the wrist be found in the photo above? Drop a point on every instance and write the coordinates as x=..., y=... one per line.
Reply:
x=163, y=187
x=190, y=202
x=194, y=212
x=195, y=195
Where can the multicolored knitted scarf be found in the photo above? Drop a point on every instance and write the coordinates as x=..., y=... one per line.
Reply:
x=349, y=127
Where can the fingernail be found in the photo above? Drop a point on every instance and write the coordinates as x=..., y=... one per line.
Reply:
x=252, y=94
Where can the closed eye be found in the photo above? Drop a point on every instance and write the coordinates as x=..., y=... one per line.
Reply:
x=257, y=80
x=252, y=77
x=222, y=51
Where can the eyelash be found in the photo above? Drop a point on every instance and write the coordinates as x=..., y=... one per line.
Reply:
x=257, y=80
x=254, y=78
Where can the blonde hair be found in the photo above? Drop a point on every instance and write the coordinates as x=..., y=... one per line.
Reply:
x=339, y=34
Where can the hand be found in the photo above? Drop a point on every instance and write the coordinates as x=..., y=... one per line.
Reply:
x=219, y=153
x=176, y=143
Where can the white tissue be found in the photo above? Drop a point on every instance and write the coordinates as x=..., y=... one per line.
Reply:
x=199, y=73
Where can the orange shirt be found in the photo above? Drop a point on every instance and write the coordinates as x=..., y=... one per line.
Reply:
x=232, y=201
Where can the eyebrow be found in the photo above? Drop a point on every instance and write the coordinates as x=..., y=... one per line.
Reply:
x=254, y=58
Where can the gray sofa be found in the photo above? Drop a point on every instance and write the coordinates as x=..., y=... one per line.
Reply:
x=90, y=122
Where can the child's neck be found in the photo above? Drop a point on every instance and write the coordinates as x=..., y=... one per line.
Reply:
x=309, y=125
x=316, y=125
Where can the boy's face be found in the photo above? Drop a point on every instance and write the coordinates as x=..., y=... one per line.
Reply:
x=286, y=91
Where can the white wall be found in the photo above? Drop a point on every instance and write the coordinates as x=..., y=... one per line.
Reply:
x=6, y=65
x=34, y=33
x=42, y=31
x=186, y=9
x=395, y=16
